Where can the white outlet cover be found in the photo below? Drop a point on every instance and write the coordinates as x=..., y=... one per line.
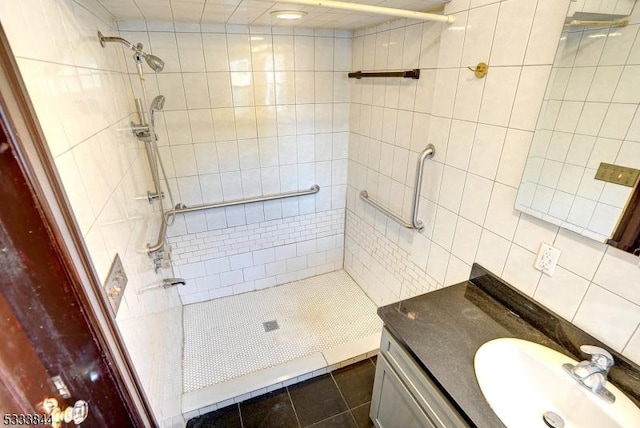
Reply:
x=547, y=258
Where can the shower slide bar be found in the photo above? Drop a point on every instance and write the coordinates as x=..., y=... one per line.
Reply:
x=184, y=209
x=415, y=224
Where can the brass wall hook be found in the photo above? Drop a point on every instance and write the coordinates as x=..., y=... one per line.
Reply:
x=481, y=70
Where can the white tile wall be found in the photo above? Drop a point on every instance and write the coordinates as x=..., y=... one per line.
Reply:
x=82, y=96
x=243, y=101
x=588, y=116
x=482, y=130
x=222, y=261
x=265, y=108
x=376, y=260
x=250, y=112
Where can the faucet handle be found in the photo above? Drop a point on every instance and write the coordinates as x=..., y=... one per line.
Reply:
x=599, y=356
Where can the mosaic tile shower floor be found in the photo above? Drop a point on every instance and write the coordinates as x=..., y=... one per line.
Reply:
x=225, y=338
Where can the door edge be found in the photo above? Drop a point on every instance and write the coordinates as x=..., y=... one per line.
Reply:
x=22, y=124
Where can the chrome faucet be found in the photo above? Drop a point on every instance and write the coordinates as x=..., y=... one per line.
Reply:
x=170, y=282
x=592, y=374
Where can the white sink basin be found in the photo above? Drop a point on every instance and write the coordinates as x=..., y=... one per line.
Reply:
x=522, y=381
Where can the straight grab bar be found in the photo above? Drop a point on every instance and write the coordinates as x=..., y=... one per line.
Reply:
x=427, y=153
x=415, y=224
x=184, y=209
x=364, y=195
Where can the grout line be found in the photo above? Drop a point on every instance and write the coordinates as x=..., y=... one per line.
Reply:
x=293, y=406
x=339, y=390
x=353, y=417
x=240, y=415
x=72, y=65
x=331, y=417
x=635, y=331
x=584, y=295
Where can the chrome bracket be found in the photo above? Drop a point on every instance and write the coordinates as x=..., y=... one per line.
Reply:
x=141, y=131
x=152, y=197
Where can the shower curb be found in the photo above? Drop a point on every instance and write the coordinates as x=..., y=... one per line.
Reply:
x=208, y=399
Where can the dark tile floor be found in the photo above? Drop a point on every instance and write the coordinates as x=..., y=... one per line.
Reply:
x=340, y=399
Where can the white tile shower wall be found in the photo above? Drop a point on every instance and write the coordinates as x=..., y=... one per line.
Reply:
x=390, y=119
x=380, y=265
x=235, y=260
x=250, y=112
x=81, y=94
x=482, y=130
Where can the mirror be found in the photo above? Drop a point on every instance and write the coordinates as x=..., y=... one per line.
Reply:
x=589, y=116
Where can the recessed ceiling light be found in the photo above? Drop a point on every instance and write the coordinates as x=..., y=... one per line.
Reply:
x=288, y=14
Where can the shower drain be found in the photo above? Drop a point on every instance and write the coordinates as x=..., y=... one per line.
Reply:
x=270, y=326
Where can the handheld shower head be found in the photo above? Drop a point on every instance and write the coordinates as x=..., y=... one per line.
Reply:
x=158, y=103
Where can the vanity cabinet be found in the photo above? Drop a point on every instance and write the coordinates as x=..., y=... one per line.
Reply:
x=403, y=395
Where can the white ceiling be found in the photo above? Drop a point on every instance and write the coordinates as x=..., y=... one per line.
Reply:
x=254, y=12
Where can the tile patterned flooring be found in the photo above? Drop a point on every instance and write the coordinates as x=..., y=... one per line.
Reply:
x=340, y=399
x=225, y=338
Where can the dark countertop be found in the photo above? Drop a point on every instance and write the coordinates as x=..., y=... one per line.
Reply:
x=443, y=330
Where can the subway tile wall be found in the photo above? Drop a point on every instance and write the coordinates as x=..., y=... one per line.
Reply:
x=82, y=96
x=249, y=111
x=482, y=130
x=232, y=260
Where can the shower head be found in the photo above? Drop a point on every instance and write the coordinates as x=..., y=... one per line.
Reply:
x=154, y=62
x=158, y=103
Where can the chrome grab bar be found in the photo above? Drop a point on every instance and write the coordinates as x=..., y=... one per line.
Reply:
x=416, y=224
x=427, y=153
x=364, y=195
x=162, y=234
x=184, y=209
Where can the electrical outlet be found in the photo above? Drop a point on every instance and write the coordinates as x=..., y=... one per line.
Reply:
x=547, y=259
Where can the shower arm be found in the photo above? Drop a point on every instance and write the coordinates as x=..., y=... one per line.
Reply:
x=109, y=39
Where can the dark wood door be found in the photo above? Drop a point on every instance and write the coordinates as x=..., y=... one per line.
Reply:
x=45, y=330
